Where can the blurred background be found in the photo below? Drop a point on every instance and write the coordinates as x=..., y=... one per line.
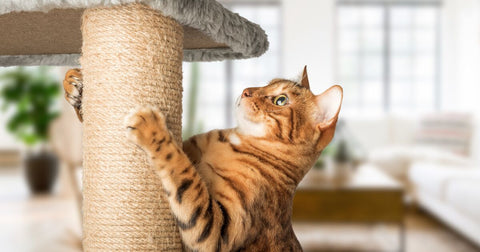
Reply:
x=402, y=172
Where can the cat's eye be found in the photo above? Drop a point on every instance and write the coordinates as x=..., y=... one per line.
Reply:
x=280, y=100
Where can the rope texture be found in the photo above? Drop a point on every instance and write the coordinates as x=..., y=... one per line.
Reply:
x=132, y=55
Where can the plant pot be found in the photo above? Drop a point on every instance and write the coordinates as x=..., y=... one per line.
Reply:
x=41, y=170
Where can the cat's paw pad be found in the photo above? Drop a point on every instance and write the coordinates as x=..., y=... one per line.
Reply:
x=145, y=126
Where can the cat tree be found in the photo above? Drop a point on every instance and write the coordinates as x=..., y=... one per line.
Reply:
x=132, y=54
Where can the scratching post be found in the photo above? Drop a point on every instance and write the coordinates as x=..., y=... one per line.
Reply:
x=132, y=56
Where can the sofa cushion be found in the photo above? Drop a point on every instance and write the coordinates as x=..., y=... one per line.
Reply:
x=464, y=195
x=447, y=131
x=434, y=178
x=396, y=160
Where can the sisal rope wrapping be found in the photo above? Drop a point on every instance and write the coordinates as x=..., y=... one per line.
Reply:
x=132, y=56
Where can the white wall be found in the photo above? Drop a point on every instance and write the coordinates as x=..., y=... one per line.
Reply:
x=461, y=55
x=461, y=61
x=308, y=39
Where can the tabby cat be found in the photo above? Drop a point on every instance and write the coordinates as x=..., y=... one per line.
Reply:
x=232, y=189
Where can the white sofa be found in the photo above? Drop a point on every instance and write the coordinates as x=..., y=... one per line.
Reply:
x=392, y=142
x=443, y=183
x=451, y=193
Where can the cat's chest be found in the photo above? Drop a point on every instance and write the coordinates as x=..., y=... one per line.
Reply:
x=219, y=157
x=221, y=168
x=215, y=172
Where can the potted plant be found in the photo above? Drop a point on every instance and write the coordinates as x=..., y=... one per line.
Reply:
x=30, y=96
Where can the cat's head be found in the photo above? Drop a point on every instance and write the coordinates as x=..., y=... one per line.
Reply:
x=288, y=111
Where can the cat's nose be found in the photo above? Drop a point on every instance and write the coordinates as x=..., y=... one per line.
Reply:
x=247, y=92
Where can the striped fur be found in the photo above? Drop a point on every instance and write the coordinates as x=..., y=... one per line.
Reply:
x=232, y=190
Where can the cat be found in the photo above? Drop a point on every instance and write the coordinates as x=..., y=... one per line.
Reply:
x=232, y=189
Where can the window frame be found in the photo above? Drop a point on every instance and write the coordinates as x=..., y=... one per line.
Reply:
x=386, y=52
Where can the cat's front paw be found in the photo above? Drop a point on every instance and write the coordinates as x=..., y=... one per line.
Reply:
x=73, y=86
x=147, y=128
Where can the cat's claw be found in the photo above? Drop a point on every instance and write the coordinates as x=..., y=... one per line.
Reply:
x=146, y=127
x=73, y=86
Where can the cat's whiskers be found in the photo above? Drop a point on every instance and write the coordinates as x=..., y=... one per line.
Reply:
x=237, y=101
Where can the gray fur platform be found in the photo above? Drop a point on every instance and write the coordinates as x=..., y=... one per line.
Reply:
x=40, y=60
x=244, y=38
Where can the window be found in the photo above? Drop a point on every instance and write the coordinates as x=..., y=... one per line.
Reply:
x=218, y=84
x=257, y=71
x=388, y=56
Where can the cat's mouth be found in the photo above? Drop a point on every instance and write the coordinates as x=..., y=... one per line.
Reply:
x=248, y=127
x=248, y=121
x=247, y=109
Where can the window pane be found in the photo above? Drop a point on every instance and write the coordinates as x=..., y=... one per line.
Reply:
x=372, y=40
x=372, y=66
x=360, y=62
x=401, y=66
x=401, y=93
x=373, y=94
x=349, y=65
x=349, y=16
x=273, y=35
x=424, y=40
x=351, y=98
x=245, y=11
x=424, y=98
x=425, y=17
x=269, y=16
x=424, y=66
x=401, y=40
x=401, y=17
x=372, y=16
x=349, y=40
x=413, y=58
x=412, y=33
x=210, y=95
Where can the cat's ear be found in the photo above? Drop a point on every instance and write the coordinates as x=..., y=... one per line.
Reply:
x=328, y=107
x=304, y=80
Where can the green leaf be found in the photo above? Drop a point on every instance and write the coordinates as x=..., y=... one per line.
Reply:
x=32, y=95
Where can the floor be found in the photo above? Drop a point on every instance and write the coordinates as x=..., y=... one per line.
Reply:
x=51, y=223
x=40, y=223
x=423, y=233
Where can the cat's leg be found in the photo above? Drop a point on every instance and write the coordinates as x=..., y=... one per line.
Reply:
x=73, y=85
x=200, y=217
